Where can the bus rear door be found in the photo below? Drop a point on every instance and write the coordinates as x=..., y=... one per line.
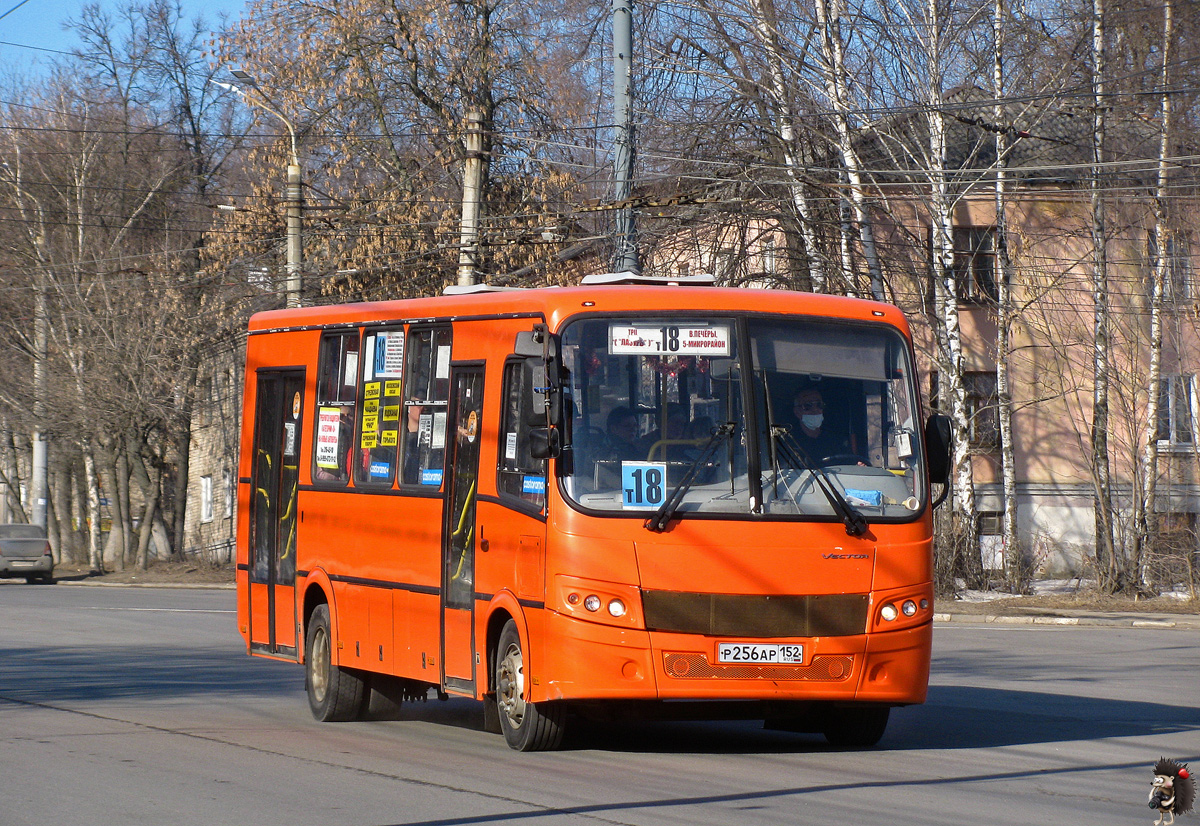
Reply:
x=458, y=531
x=280, y=400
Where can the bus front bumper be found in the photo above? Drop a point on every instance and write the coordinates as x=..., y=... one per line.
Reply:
x=592, y=661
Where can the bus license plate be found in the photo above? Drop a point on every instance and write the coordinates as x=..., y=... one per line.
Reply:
x=741, y=652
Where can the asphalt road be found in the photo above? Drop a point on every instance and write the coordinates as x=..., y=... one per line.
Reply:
x=137, y=706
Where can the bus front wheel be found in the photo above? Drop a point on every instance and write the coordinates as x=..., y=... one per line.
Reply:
x=526, y=726
x=335, y=694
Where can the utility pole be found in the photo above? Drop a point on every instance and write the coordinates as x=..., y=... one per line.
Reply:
x=39, y=487
x=295, y=248
x=295, y=190
x=625, y=258
x=468, y=239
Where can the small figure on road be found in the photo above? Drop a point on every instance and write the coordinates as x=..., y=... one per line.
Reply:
x=1172, y=792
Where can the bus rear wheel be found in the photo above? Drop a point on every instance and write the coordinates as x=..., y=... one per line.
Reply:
x=855, y=727
x=526, y=726
x=335, y=694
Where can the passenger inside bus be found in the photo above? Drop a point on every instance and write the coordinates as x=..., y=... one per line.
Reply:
x=411, y=469
x=621, y=432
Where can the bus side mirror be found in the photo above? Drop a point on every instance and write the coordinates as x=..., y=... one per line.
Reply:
x=939, y=439
x=544, y=442
x=541, y=395
x=538, y=351
x=536, y=343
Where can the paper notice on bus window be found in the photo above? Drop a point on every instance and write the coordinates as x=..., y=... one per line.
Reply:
x=350, y=376
x=442, y=369
x=510, y=446
x=369, y=362
x=391, y=388
x=328, y=435
x=439, y=430
x=683, y=338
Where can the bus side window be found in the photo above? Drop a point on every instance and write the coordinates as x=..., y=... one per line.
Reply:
x=380, y=408
x=521, y=477
x=337, y=395
x=426, y=402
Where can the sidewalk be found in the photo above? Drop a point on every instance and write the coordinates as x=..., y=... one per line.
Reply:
x=1065, y=616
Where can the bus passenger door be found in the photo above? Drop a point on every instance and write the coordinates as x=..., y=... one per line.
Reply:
x=280, y=400
x=458, y=530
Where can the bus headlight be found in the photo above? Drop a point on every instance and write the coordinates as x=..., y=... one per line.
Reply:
x=610, y=603
x=889, y=612
x=908, y=608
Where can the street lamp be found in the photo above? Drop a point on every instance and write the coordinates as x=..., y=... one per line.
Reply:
x=295, y=194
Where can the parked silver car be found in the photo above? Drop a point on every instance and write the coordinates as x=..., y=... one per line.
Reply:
x=25, y=551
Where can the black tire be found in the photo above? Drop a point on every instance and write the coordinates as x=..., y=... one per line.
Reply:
x=526, y=726
x=850, y=727
x=335, y=694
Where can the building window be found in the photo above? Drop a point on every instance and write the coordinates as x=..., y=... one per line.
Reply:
x=1176, y=411
x=983, y=407
x=206, y=505
x=770, y=256
x=975, y=264
x=227, y=478
x=1177, y=286
x=725, y=264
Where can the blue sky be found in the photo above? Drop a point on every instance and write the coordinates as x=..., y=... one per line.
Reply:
x=31, y=33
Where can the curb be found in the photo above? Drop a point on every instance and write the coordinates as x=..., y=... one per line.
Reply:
x=86, y=583
x=1118, y=622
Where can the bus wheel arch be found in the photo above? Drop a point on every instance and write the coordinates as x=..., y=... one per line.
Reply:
x=526, y=726
x=335, y=694
x=497, y=620
x=315, y=593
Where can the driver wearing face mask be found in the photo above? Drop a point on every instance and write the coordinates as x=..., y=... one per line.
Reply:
x=811, y=434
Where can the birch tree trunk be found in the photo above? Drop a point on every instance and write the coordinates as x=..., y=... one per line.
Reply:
x=970, y=562
x=1016, y=569
x=1144, y=503
x=767, y=30
x=833, y=69
x=92, y=480
x=1107, y=568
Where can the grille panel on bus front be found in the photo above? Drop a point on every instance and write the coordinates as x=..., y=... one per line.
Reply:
x=732, y=615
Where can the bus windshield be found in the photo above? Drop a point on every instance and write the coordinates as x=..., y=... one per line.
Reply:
x=732, y=416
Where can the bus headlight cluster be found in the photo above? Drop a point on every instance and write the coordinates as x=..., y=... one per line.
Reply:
x=605, y=602
x=889, y=612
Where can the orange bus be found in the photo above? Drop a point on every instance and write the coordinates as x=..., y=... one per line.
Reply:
x=706, y=502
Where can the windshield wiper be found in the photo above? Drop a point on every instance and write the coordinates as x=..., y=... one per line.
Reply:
x=658, y=522
x=855, y=522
